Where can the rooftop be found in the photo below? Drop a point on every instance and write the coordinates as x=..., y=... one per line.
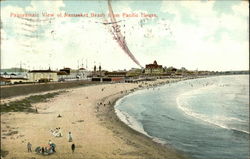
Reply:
x=154, y=65
x=62, y=73
x=42, y=71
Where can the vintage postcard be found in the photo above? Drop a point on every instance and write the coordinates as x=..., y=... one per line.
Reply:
x=124, y=79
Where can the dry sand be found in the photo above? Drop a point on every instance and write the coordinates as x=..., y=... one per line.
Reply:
x=96, y=130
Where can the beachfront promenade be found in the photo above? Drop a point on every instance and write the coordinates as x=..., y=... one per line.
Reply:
x=86, y=112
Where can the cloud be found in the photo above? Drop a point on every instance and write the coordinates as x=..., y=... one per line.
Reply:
x=242, y=9
x=63, y=42
x=196, y=43
x=188, y=39
x=45, y=6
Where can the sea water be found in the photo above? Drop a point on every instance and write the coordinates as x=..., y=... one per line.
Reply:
x=206, y=118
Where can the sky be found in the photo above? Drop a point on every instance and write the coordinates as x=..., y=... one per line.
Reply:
x=201, y=34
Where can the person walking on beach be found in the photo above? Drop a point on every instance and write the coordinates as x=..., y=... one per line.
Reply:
x=73, y=148
x=29, y=147
x=70, y=137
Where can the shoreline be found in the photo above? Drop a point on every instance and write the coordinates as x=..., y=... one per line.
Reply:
x=98, y=132
x=211, y=85
x=164, y=149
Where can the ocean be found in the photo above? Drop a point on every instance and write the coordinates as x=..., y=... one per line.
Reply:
x=205, y=118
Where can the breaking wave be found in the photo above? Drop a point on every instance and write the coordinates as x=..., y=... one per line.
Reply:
x=182, y=104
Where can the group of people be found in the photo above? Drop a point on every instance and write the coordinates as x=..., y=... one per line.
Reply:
x=45, y=150
x=56, y=132
x=51, y=147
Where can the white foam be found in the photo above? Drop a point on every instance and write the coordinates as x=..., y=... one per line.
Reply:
x=134, y=124
x=197, y=91
x=130, y=121
x=217, y=120
x=159, y=140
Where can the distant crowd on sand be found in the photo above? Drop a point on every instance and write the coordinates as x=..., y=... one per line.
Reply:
x=50, y=148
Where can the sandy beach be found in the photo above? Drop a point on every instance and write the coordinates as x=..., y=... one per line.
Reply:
x=88, y=113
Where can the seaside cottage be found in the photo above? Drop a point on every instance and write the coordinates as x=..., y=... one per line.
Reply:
x=67, y=75
x=42, y=76
x=83, y=74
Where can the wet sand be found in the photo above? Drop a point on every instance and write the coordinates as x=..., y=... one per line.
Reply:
x=87, y=112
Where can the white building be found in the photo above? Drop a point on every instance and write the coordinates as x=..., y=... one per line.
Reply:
x=83, y=74
x=42, y=76
x=154, y=69
x=67, y=75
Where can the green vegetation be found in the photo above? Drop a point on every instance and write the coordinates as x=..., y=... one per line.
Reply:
x=3, y=153
x=25, y=105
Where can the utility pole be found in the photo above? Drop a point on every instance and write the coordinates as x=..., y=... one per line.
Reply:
x=78, y=64
x=20, y=66
x=86, y=64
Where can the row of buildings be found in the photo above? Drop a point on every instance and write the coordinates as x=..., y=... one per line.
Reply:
x=49, y=75
x=150, y=71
